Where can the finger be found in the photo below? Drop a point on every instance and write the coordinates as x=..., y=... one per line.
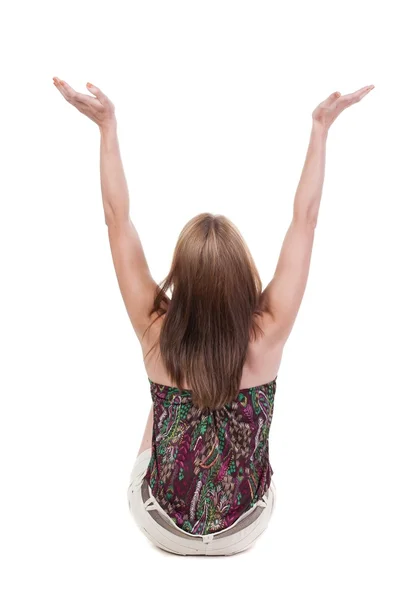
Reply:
x=97, y=92
x=61, y=90
x=362, y=91
x=70, y=94
x=57, y=83
x=331, y=99
x=366, y=91
x=349, y=99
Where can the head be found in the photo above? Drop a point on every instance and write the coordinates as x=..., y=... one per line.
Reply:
x=208, y=322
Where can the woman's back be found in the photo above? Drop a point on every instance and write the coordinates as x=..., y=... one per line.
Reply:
x=210, y=466
x=262, y=360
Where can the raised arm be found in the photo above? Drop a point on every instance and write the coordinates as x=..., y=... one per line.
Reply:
x=135, y=281
x=282, y=297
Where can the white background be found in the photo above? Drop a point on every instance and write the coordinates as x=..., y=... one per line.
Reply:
x=213, y=101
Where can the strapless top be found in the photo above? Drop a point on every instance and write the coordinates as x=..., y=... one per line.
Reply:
x=208, y=467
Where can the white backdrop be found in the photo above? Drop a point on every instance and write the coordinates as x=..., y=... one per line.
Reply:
x=213, y=101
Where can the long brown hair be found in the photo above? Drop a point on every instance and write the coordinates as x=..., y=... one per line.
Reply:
x=206, y=330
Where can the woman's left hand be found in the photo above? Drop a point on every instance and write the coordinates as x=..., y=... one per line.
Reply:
x=98, y=107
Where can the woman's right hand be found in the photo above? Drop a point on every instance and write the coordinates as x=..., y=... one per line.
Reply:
x=328, y=110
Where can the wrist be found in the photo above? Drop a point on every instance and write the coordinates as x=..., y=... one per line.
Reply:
x=319, y=129
x=108, y=127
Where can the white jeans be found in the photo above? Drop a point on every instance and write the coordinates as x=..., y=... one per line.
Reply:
x=161, y=530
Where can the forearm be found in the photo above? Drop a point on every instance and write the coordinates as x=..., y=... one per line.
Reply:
x=114, y=189
x=310, y=187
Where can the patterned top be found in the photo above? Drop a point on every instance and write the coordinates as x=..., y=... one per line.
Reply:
x=208, y=467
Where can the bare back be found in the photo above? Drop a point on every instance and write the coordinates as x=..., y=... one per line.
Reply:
x=261, y=364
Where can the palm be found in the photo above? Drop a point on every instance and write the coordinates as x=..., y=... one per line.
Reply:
x=328, y=110
x=98, y=108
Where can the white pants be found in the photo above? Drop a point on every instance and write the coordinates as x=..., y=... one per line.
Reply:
x=161, y=530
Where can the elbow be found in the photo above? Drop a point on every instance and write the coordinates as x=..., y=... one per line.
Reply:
x=308, y=218
x=312, y=221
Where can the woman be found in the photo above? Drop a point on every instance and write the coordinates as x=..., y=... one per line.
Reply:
x=202, y=482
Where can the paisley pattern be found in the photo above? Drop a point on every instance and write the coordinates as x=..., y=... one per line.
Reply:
x=208, y=467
